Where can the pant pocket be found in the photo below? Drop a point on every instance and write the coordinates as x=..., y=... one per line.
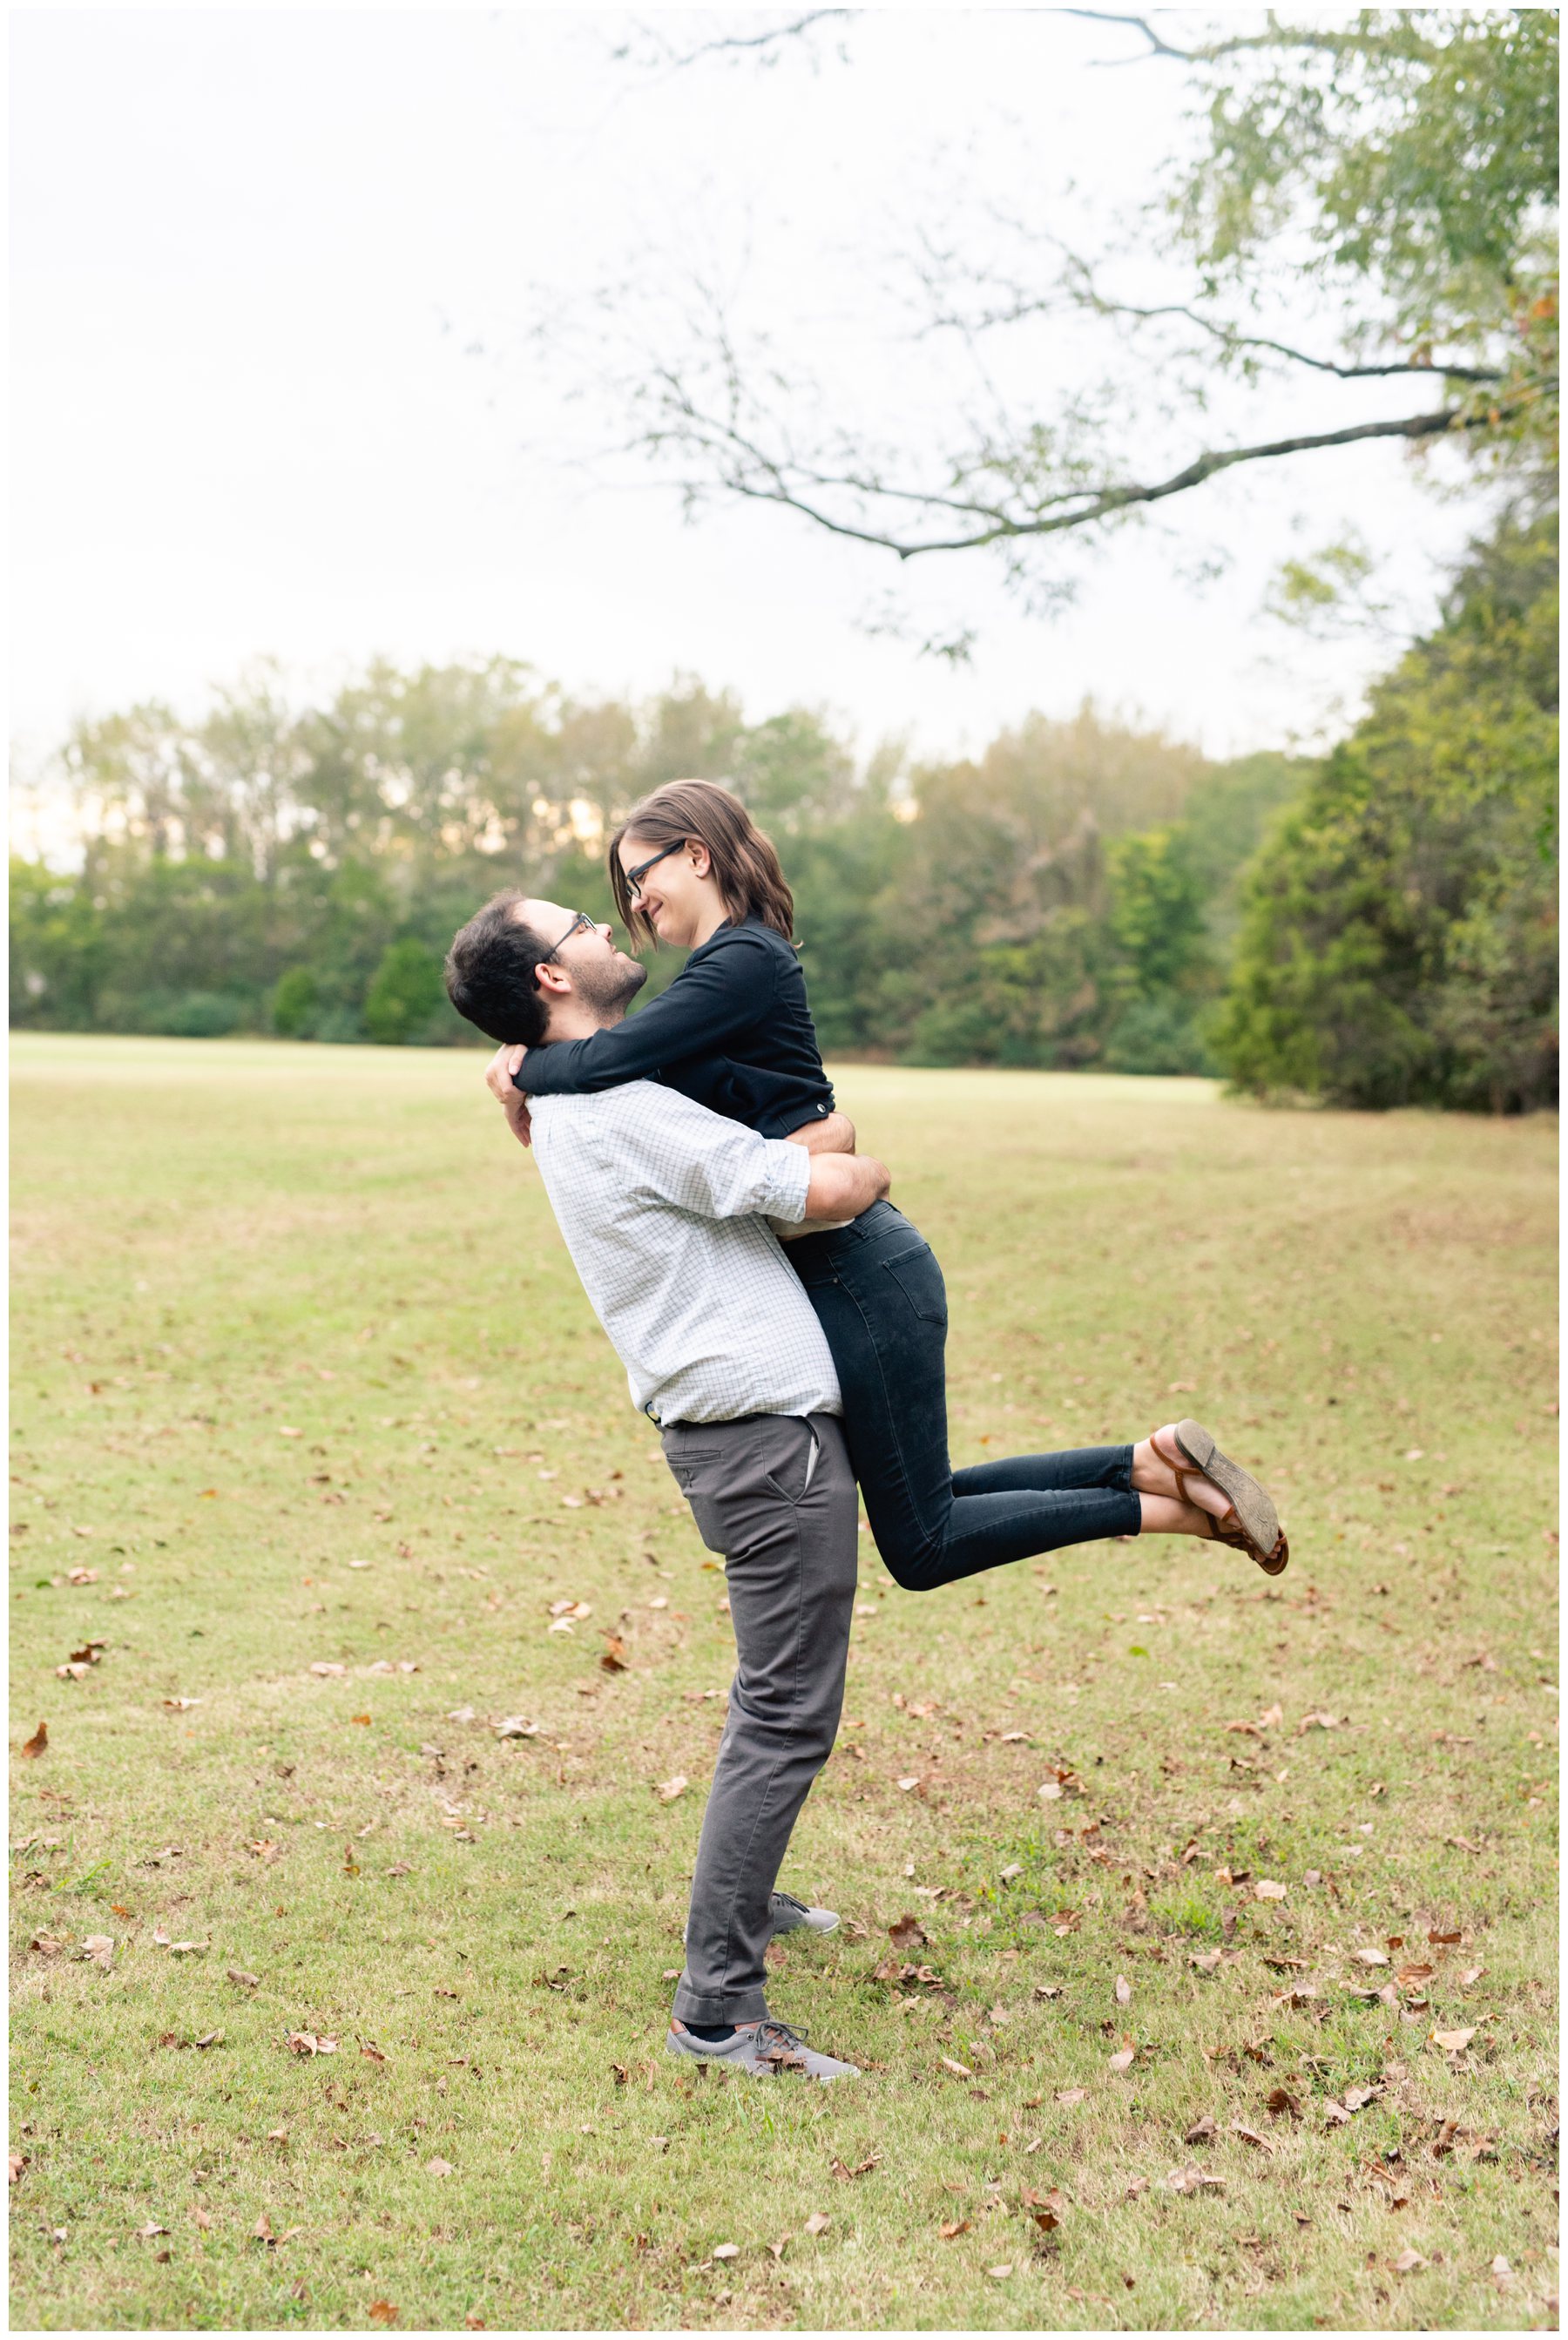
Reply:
x=791, y=1475
x=919, y=1279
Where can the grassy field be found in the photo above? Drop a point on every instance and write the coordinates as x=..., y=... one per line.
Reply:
x=313, y=1431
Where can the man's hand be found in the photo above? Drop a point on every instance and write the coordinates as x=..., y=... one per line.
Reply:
x=834, y=1134
x=844, y=1184
x=514, y=1102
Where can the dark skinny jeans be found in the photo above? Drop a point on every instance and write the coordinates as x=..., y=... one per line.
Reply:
x=879, y=1297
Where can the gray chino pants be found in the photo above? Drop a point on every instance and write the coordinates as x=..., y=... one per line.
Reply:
x=775, y=1496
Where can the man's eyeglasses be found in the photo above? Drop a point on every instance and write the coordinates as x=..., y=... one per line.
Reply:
x=634, y=877
x=581, y=924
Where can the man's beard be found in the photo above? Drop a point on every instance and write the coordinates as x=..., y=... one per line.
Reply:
x=607, y=989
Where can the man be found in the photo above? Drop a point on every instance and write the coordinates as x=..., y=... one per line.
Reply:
x=663, y=1206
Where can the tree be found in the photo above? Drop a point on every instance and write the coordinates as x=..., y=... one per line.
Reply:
x=1390, y=181
x=1399, y=941
x=407, y=999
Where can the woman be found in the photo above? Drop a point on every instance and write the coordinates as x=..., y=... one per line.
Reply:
x=689, y=870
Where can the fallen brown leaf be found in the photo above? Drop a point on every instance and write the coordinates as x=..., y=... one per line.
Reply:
x=382, y=2310
x=1407, y=2261
x=1250, y=2136
x=1124, y=1991
x=613, y=1657
x=952, y=2228
x=1071, y=2096
x=670, y=1789
x=1123, y=2059
x=436, y=2168
x=1280, y=2100
x=18, y=2163
x=962, y=2071
x=241, y=1975
x=1454, y=2043
x=908, y=1934
x=39, y=1742
x=818, y=2222
x=1202, y=2129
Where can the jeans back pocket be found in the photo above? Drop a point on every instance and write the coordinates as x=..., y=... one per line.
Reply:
x=919, y=1279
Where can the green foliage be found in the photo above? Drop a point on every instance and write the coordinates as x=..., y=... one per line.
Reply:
x=1071, y=897
x=406, y=999
x=1400, y=936
x=1411, y=154
x=294, y=1003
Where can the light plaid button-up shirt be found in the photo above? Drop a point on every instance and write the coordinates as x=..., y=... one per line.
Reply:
x=664, y=1206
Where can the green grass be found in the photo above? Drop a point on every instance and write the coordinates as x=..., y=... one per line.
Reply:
x=223, y=1244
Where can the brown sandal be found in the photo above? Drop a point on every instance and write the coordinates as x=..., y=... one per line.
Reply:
x=1251, y=1524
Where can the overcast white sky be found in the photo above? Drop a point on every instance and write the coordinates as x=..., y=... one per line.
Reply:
x=255, y=251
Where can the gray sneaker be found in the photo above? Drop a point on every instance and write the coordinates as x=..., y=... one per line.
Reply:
x=789, y=1915
x=764, y=2049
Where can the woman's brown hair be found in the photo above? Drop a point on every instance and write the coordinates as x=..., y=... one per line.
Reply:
x=744, y=862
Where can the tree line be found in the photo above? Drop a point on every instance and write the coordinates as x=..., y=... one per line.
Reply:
x=1373, y=928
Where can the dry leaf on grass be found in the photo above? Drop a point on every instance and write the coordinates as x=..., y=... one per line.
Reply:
x=1201, y=2131
x=818, y=2222
x=382, y=2310
x=1356, y=2099
x=1124, y=1991
x=1280, y=2100
x=960, y=2071
x=1371, y=1958
x=668, y=1789
x=1250, y=2136
x=1047, y=2210
x=1407, y=2261
x=613, y=1657
x=311, y=2043
x=1191, y=2181
x=1123, y=2060
x=1071, y=2096
x=1206, y=1961
x=1267, y=1890
x=100, y=1949
x=1333, y=2115
x=436, y=2168
x=18, y=2163
x=726, y=2250
x=907, y=1933
x=243, y=1976
x=39, y=1742
x=151, y=2229
x=1454, y=2043
x=952, y=2228
x=516, y=1726
x=862, y=2169
x=1002, y=2272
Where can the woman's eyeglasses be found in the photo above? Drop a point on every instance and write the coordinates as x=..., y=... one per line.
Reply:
x=634, y=877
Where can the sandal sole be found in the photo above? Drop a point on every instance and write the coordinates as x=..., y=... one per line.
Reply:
x=1258, y=1518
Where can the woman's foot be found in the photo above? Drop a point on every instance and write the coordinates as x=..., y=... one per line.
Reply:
x=1160, y=1468
x=1184, y=1456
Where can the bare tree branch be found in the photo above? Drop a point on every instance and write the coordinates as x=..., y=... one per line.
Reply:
x=1277, y=37
x=771, y=483
x=734, y=43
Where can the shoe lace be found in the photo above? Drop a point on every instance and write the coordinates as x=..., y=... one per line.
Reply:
x=776, y=2039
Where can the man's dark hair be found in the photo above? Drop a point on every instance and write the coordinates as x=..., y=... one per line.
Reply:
x=490, y=973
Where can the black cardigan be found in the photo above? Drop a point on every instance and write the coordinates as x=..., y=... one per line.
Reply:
x=733, y=1031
